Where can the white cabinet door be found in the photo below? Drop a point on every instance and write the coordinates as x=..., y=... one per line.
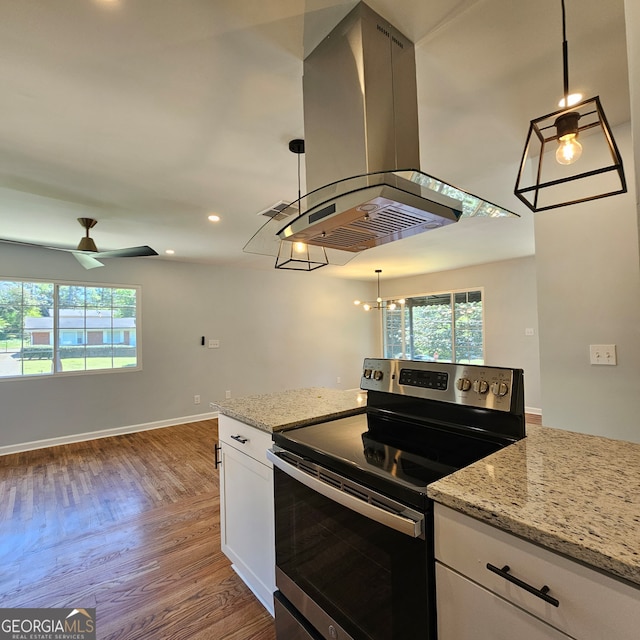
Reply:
x=467, y=611
x=247, y=521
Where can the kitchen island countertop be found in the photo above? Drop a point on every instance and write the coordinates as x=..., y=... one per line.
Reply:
x=294, y=408
x=573, y=493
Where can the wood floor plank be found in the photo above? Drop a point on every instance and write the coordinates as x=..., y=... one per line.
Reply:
x=129, y=525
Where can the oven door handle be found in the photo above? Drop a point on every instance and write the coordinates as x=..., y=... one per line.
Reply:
x=411, y=522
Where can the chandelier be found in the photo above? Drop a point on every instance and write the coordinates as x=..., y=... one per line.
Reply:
x=379, y=303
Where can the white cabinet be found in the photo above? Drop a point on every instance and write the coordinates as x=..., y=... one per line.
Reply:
x=475, y=602
x=466, y=610
x=246, y=506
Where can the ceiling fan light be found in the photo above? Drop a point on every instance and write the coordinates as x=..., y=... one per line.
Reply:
x=87, y=244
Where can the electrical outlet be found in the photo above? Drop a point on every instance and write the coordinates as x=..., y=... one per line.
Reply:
x=603, y=354
x=196, y=399
x=338, y=380
x=227, y=394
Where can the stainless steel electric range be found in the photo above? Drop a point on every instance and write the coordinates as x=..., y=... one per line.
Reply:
x=354, y=526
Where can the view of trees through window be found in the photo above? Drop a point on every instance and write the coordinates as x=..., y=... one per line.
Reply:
x=445, y=326
x=48, y=328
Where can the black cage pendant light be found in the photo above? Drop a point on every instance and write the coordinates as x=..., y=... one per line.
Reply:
x=554, y=171
x=299, y=256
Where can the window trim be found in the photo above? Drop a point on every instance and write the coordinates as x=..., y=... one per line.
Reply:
x=82, y=283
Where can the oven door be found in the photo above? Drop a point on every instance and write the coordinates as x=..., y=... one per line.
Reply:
x=351, y=562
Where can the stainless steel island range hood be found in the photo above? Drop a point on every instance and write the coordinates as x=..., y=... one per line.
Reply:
x=361, y=144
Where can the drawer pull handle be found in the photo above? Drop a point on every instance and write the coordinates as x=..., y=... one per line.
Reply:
x=217, y=462
x=240, y=439
x=542, y=593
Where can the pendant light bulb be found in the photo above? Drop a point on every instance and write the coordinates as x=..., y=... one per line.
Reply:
x=391, y=306
x=366, y=307
x=569, y=149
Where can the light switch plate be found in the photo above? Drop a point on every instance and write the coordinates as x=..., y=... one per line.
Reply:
x=214, y=344
x=603, y=354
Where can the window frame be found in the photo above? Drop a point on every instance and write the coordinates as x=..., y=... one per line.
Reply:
x=56, y=331
x=405, y=329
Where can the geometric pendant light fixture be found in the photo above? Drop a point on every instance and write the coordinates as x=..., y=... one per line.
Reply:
x=570, y=155
x=300, y=256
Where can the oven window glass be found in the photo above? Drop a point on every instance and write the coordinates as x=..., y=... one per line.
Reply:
x=370, y=579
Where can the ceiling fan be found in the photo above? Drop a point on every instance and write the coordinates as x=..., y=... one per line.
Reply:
x=87, y=253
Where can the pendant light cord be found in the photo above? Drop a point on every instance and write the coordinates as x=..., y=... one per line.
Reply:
x=565, y=57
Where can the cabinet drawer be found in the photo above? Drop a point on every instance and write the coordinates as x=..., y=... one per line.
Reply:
x=245, y=438
x=486, y=616
x=592, y=605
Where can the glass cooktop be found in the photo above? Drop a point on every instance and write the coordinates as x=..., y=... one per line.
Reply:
x=388, y=455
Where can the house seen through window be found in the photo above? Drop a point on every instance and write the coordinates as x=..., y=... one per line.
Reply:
x=51, y=328
x=446, y=326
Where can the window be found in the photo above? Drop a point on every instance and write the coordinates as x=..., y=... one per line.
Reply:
x=56, y=328
x=444, y=326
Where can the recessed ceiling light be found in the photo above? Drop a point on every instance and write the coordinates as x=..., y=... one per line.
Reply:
x=574, y=98
x=169, y=252
x=214, y=218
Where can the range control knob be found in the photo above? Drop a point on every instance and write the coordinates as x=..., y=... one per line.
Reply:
x=463, y=384
x=480, y=386
x=367, y=373
x=377, y=374
x=499, y=389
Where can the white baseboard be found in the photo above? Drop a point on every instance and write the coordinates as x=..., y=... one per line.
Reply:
x=534, y=410
x=104, y=433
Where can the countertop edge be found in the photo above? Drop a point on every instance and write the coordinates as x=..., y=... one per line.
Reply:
x=303, y=422
x=552, y=541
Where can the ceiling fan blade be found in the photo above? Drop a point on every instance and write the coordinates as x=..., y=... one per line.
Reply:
x=21, y=243
x=130, y=252
x=87, y=260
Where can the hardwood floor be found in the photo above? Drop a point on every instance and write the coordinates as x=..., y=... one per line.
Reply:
x=129, y=525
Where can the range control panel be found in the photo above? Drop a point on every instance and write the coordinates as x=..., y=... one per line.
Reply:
x=465, y=384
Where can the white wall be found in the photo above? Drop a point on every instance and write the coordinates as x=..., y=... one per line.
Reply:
x=277, y=330
x=509, y=308
x=588, y=274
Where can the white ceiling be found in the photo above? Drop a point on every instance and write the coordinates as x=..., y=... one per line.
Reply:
x=149, y=116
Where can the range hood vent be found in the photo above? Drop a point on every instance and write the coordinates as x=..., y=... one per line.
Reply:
x=372, y=210
x=361, y=120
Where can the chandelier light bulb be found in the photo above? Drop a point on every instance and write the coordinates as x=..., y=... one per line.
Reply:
x=356, y=302
x=569, y=149
x=300, y=247
x=391, y=306
x=401, y=301
x=366, y=307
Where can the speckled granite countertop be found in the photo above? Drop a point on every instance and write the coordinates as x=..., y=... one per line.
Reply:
x=295, y=408
x=572, y=493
